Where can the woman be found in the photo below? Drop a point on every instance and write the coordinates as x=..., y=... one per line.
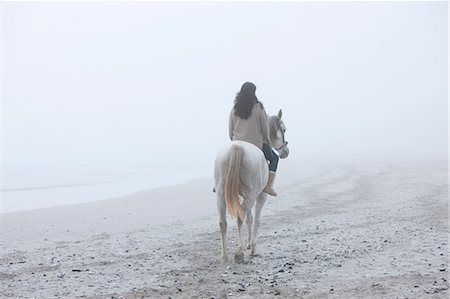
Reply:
x=248, y=122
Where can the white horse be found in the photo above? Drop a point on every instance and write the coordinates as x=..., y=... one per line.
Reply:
x=241, y=173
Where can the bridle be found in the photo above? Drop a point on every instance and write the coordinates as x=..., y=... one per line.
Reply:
x=282, y=133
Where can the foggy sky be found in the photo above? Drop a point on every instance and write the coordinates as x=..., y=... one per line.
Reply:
x=148, y=82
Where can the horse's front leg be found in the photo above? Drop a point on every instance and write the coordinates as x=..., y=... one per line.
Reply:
x=260, y=201
x=239, y=255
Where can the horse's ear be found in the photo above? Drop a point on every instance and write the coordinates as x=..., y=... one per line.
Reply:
x=280, y=113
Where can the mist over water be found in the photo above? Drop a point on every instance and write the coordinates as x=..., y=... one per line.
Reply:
x=139, y=91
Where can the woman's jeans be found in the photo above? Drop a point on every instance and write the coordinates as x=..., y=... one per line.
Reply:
x=271, y=157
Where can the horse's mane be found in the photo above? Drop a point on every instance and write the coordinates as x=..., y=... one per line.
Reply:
x=274, y=124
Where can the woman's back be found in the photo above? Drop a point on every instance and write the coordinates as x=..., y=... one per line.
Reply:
x=254, y=129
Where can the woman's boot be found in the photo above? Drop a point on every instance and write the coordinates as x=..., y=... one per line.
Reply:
x=269, y=188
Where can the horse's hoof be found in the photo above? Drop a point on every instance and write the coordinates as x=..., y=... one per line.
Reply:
x=254, y=254
x=239, y=257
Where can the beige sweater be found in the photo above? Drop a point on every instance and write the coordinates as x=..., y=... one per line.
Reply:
x=254, y=129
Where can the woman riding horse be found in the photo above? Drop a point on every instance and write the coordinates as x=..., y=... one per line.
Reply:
x=248, y=122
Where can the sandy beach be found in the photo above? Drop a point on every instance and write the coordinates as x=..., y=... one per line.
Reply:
x=338, y=230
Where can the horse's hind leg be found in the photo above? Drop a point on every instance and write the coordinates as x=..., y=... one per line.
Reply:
x=260, y=201
x=239, y=255
x=223, y=225
x=249, y=221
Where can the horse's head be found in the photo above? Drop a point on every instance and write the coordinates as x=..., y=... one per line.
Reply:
x=277, y=131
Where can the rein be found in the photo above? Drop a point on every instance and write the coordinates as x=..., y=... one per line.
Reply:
x=278, y=149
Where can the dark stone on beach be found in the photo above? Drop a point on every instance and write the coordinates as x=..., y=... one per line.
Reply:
x=79, y=270
x=242, y=287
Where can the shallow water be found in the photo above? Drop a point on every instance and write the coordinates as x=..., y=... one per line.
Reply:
x=56, y=187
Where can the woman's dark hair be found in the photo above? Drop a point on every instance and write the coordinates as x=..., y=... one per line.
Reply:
x=245, y=99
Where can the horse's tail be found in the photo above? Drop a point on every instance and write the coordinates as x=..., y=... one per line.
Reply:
x=233, y=182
